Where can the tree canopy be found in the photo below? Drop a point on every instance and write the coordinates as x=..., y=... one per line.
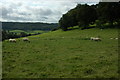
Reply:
x=84, y=15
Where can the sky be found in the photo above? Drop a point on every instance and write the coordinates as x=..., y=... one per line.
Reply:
x=49, y=11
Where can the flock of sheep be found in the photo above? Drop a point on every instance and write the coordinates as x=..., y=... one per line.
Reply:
x=113, y=38
x=14, y=40
x=99, y=39
x=27, y=40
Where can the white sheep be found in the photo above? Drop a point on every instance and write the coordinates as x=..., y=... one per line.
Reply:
x=26, y=39
x=111, y=38
x=95, y=39
x=12, y=40
x=91, y=38
x=116, y=38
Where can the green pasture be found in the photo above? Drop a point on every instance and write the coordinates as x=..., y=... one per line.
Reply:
x=63, y=54
x=27, y=32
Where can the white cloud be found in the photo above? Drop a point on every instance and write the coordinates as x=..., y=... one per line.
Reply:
x=37, y=10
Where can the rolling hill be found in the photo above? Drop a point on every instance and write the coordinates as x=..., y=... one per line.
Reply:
x=28, y=26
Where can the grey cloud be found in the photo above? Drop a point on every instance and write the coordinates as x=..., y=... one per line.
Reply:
x=15, y=5
x=16, y=18
x=25, y=11
x=109, y=0
x=44, y=17
x=42, y=11
x=31, y=13
x=41, y=19
x=24, y=14
x=46, y=12
x=6, y=16
x=6, y=11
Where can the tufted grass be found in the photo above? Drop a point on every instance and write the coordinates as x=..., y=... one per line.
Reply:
x=60, y=54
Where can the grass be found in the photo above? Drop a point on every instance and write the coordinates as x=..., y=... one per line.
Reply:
x=27, y=32
x=17, y=31
x=63, y=54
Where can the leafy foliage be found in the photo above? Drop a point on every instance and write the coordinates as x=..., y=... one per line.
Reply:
x=85, y=15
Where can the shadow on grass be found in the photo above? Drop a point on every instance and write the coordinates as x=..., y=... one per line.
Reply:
x=73, y=29
x=81, y=28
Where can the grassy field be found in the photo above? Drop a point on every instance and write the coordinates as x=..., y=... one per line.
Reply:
x=60, y=54
x=27, y=32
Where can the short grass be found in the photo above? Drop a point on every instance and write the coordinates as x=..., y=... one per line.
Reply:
x=17, y=31
x=63, y=54
x=28, y=32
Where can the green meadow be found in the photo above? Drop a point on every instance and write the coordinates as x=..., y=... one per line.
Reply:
x=28, y=31
x=63, y=54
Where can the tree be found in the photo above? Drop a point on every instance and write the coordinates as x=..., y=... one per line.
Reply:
x=78, y=16
x=4, y=35
x=86, y=15
x=109, y=12
x=104, y=14
x=23, y=34
x=63, y=23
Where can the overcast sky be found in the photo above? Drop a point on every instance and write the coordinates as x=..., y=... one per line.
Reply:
x=48, y=11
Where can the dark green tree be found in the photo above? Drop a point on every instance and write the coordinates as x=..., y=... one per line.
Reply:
x=109, y=12
x=86, y=15
x=81, y=15
x=23, y=34
x=63, y=23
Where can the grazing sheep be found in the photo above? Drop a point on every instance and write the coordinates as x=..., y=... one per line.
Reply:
x=26, y=39
x=91, y=38
x=116, y=38
x=111, y=38
x=12, y=40
x=95, y=39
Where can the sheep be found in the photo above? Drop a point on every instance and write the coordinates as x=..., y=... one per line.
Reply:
x=116, y=38
x=26, y=39
x=91, y=38
x=111, y=38
x=12, y=40
x=95, y=39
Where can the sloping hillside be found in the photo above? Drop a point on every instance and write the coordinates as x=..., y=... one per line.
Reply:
x=63, y=54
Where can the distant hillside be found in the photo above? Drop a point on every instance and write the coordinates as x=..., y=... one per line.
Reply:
x=28, y=26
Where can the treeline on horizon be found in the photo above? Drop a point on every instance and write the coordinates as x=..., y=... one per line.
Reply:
x=101, y=15
x=28, y=26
